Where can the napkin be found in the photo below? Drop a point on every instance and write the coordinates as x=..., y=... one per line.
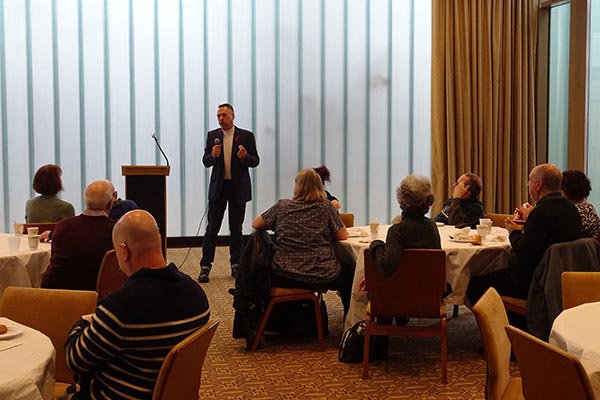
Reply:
x=496, y=238
x=8, y=345
x=462, y=234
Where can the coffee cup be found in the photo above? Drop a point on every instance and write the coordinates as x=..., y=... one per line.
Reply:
x=374, y=228
x=18, y=228
x=485, y=221
x=33, y=241
x=32, y=231
x=484, y=230
x=14, y=243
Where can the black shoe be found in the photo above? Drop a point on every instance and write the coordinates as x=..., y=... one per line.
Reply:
x=204, y=272
x=234, y=269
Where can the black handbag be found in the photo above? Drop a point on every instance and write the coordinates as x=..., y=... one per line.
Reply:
x=352, y=344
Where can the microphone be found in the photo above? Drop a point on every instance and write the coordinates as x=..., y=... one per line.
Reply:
x=160, y=148
x=217, y=142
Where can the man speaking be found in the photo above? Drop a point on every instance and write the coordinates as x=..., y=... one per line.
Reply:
x=230, y=151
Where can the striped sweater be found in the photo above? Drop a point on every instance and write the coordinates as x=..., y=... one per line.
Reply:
x=120, y=353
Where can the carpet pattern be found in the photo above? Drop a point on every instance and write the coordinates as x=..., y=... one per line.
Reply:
x=292, y=367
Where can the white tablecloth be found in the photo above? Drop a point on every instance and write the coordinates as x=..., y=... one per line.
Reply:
x=22, y=268
x=577, y=331
x=463, y=260
x=27, y=370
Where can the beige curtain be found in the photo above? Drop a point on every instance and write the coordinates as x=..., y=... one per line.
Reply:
x=483, y=97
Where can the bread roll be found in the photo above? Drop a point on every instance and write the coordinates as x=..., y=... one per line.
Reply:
x=3, y=329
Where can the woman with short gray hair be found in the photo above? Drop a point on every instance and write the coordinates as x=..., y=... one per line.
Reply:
x=415, y=231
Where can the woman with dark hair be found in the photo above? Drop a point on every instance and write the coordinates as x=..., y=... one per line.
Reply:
x=48, y=207
x=576, y=187
x=323, y=172
x=306, y=228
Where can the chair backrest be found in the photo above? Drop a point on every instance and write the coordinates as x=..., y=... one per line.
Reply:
x=347, y=219
x=42, y=226
x=498, y=219
x=491, y=317
x=548, y=372
x=579, y=288
x=415, y=287
x=50, y=311
x=181, y=372
x=110, y=276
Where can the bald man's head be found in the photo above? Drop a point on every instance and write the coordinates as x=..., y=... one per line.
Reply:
x=137, y=228
x=544, y=179
x=98, y=195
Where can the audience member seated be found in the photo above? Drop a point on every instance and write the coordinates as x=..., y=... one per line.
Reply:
x=118, y=351
x=121, y=207
x=79, y=243
x=554, y=219
x=576, y=187
x=306, y=228
x=415, y=231
x=47, y=207
x=463, y=208
x=323, y=172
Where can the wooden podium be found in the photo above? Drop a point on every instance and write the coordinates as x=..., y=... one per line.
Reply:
x=147, y=186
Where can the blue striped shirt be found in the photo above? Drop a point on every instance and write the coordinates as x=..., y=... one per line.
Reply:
x=120, y=353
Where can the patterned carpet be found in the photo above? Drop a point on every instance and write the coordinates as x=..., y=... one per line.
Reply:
x=292, y=367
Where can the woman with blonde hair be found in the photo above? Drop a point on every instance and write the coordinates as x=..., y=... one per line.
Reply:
x=306, y=228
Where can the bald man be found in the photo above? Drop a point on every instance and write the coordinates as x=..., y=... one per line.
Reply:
x=554, y=219
x=79, y=243
x=119, y=350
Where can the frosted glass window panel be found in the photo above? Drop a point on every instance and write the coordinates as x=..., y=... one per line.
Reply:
x=194, y=184
x=42, y=83
x=338, y=82
x=17, y=134
x=558, y=86
x=357, y=120
x=119, y=109
x=594, y=104
x=376, y=135
x=92, y=90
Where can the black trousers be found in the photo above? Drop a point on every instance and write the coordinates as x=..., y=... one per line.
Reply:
x=216, y=210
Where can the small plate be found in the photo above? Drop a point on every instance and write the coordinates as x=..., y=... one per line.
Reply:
x=439, y=224
x=13, y=331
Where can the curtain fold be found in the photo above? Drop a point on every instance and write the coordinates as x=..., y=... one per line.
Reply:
x=483, y=97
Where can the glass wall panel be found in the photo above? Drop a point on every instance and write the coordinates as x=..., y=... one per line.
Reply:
x=558, y=85
x=594, y=104
x=85, y=84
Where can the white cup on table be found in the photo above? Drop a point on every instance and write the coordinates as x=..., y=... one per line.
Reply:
x=374, y=229
x=33, y=241
x=32, y=231
x=14, y=243
x=18, y=228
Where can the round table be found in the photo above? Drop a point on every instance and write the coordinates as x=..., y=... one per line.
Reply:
x=26, y=365
x=577, y=331
x=463, y=260
x=23, y=267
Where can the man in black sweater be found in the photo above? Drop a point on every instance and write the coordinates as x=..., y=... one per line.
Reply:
x=554, y=219
x=118, y=351
x=463, y=208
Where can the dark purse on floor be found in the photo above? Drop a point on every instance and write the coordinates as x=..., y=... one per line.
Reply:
x=352, y=344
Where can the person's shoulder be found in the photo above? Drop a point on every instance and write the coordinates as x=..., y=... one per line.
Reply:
x=243, y=131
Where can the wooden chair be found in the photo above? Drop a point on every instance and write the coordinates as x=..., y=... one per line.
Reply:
x=110, y=276
x=282, y=295
x=548, y=372
x=579, y=288
x=347, y=219
x=413, y=290
x=491, y=318
x=42, y=226
x=52, y=312
x=181, y=372
x=498, y=219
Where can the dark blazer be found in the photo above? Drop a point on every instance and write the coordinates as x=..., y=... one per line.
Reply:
x=240, y=178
